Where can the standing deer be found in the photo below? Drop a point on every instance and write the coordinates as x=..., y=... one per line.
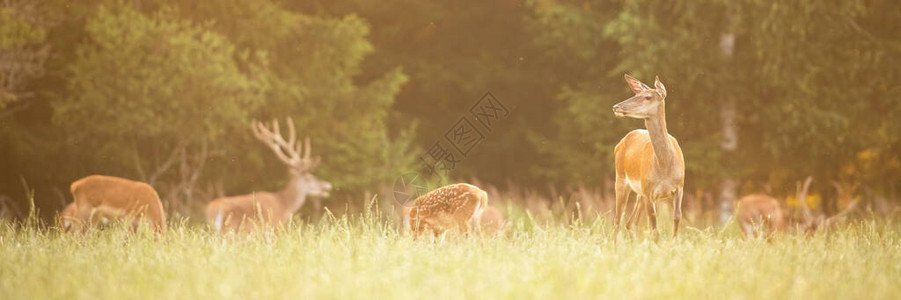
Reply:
x=100, y=199
x=453, y=207
x=648, y=162
x=272, y=209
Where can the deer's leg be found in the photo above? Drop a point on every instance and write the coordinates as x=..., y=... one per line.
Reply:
x=416, y=229
x=475, y=225
x=438, y=234
x=677, y=211
x=632, y=220
x=769, y=229
x=85, y=214
x=136, y=223
x=622, y=198
x=745, y=227
x=651, y=210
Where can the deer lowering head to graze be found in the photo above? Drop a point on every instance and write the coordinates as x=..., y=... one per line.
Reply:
x=760, y=214
x=100, y=199
x=648, y=161
x=811, y=223
x=67, y=216
x=272, y=209
x=449, y=208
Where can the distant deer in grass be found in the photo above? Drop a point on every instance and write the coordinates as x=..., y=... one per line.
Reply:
x=760, y=214
x=272, y=209
x=456, y=207
x=100, y=199
x=648, y=161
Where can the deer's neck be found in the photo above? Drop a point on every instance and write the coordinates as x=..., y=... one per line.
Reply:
x=664, y=152
x=292, y=196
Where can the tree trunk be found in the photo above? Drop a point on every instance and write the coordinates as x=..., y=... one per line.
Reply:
x=729, y=145
x=729, y=185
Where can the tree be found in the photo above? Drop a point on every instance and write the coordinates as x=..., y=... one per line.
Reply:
x=750, y=71
x=23, y=51
x=314, y=64
x=454, y=53
x=145, y=88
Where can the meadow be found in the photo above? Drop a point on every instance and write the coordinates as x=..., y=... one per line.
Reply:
x=182, y=101
x=367, y=256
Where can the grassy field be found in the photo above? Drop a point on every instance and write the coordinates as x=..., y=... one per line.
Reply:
x=366, y=258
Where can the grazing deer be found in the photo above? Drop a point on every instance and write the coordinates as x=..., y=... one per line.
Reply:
x=491, y=220
x=761, y=214
x=272, y=209
x=648, y=162
x=758, y=211
x=100, y=199
x=453, y=207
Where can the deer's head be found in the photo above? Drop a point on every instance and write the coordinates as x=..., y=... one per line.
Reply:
x=645, y=104
x=309, y=183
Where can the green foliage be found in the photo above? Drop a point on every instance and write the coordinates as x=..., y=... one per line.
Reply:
x=370, y=81
x=16, y=31
x=169, y=77
x=152, y=82
x=803, y=75
x=21, y=53
x=346, y=120
x=579, y=149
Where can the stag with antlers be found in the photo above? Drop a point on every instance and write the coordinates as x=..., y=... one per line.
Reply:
x=812, y=223
x=272, y=209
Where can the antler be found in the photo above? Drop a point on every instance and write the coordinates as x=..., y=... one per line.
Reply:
x=289, y=152
x=838, y=188
x=841, y=216
x=802, y=199
x=842, y=192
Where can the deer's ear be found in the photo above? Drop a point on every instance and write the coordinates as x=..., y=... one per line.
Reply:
x=635, y=85
x=659, y=86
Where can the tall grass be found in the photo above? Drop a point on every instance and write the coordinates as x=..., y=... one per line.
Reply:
x=365, y=256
